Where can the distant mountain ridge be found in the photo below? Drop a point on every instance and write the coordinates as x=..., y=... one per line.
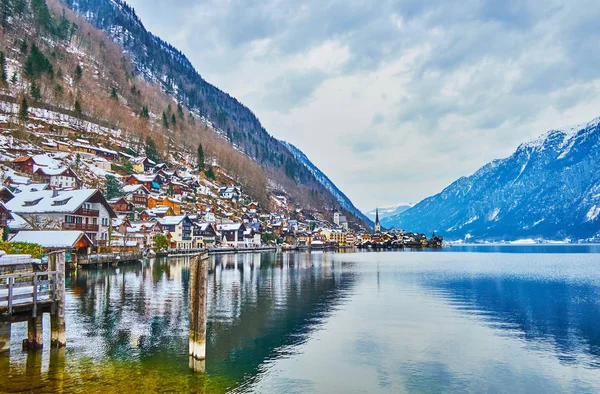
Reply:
x=341, y=198
x=548, y=188
x=388, y=211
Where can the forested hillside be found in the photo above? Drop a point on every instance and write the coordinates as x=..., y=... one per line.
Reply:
x=116, y=74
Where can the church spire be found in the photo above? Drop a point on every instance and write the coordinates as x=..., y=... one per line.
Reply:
x=377, y=224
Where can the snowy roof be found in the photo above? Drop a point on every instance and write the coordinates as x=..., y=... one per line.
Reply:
x=229, y=226
x=18, y=223
x=145, y=178
x=55, y=171
x=135, y=188
x=51, y=239
x=45, y=202
x=171, y=220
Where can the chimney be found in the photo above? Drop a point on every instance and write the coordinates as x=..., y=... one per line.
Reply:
x=54, y=193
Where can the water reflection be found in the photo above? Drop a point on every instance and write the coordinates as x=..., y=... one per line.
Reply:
x=563, y=316
x=130, y=323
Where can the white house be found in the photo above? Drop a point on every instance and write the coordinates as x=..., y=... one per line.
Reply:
x=58, y=177
x=81, y=210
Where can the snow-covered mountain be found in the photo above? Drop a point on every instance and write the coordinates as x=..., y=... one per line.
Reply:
x=342, y=199
x=391, y=210
x=549, y=188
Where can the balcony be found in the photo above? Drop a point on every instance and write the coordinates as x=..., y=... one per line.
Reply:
x=91, y=228
x=87, y=212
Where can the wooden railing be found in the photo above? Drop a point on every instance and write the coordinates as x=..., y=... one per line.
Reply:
x=88, y=212
x=28, y=289
x=81, y=227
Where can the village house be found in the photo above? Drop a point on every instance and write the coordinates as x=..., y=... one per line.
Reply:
x=58, y=177
x=156, y=212
x=151, y=182
x=162, y=201
x=137, y=195
x=232, y=233
x=82, y=210
x=205, y=235
x=180, y=228
x=230, y=193
x=122, y=207
x=105, y=153
x=24, y=164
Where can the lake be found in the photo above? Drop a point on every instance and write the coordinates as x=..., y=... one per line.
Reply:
x=516, y=319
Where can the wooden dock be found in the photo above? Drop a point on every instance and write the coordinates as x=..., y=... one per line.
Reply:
x=27, y=296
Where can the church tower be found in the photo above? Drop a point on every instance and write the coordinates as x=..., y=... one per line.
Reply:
x=377, y=224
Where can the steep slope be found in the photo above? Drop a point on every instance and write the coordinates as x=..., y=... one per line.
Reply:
x=341, y=198
x=162, y=64
x=549, y=188
x=391, y=210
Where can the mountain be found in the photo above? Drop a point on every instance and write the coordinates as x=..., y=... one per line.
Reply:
x=341, y=198
x=549, y=188
x=391, y=210
x=95, y=61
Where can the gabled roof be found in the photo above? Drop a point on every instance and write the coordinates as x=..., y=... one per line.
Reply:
x=230, y=226
x=139, y=189
x=22, y=159
x=172, y=220
x=46, y=201
x=52, y=239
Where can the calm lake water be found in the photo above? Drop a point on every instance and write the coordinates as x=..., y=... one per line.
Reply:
x=469, y=319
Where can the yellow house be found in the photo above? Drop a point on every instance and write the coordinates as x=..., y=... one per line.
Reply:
x=165, y=202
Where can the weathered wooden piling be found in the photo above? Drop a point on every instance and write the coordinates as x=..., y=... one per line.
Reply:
x=4, y=336
x=35, y=337
x=58, y=336
x=198, y=295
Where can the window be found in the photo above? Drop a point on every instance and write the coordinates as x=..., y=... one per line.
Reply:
x=31, y=203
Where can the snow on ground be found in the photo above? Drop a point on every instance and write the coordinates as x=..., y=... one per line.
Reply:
x=592, y=213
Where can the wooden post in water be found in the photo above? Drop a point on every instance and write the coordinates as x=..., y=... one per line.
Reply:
x=4, y=337
x=58, y=335
x=198, y=292
x=35, y=337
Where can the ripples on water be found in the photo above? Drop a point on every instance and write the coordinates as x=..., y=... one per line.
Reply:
x=365, y=322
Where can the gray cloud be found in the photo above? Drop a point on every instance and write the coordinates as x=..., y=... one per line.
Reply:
x=398, y=86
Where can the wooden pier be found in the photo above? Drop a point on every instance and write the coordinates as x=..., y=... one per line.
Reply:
x=27, y=296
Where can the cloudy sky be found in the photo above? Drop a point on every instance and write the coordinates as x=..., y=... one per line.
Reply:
x=394, y=100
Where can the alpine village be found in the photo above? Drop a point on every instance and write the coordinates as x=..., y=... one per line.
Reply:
x=112, y=157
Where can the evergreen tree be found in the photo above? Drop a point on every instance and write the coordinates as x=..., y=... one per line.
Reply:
x=165, y=120
x=200, y=157
x=78, y=74
x=42, y=14
x=37, y=64
x=78, y=108
x=35, y=91
x=5, y=9
x=173, y=120
x=210, y=174
x=19, y=7
x=24, y=110
x=180, y=111
x=3, y=73
x=113, y=94
x=23, y=47
x=113, y=187
x=144, y=113
x=151, y=150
